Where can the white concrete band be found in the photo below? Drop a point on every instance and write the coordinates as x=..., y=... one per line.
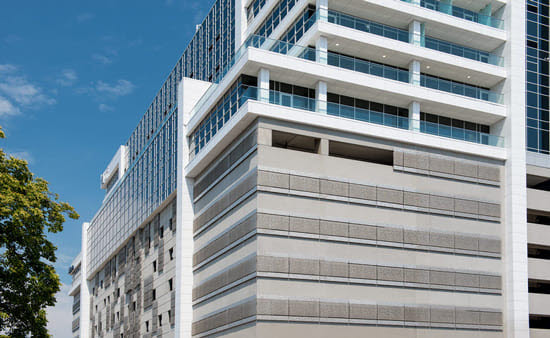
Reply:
x=189, y=93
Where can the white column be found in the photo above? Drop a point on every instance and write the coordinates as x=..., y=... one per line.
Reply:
x=514, y=208
x=263, y=85
x=322, y=9
x=321, y=97
x=321, y=50
x=84, y=286
x=189, y=93
x=414, y=73
x=415, y=33
x=414, y=116
x=241, y=23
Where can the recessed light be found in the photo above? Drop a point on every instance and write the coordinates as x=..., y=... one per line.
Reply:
x=337, y=44
x=427, y=67
x=384, y=56
x=469, y=77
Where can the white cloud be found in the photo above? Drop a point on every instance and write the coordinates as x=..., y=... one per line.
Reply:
x=7, y=108
x=120, y=88
x=60, y=316
x=7, y=68
x=17, y=93
x=105, y=108
x=104, y=59
x=67, y=77
x=85, y=17
x=24, y=92
x=12, y=38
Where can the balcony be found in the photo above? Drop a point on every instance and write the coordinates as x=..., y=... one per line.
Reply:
x=299, y=65
x=203, y=134
x=461, y=13
x=385, y=71
x=399, y=14
x=459, y=88
x=403, y=35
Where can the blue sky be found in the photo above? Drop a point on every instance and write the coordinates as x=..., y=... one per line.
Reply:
x=75, y=78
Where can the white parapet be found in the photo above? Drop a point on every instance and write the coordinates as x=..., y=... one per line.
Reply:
x=190, y=92
x=118, y=166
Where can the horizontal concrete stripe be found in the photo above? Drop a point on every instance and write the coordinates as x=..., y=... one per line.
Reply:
x=206, y=181
x=221, y=205
x=324, y=312
x=348, y=272
x=382, y=195
x=447, y=167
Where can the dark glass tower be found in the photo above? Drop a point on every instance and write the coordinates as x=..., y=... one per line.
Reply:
x=537, y=76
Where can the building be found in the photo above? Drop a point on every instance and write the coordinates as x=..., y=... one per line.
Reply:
x=334, y=168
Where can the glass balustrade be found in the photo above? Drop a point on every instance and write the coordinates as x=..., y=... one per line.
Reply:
x=368, y=26
x=370, y=116
x=461, y=134
x=404, y=36
x=462, y=51
x=461, y=13
x=368, y=67
x=459, y=88
x=310, y=104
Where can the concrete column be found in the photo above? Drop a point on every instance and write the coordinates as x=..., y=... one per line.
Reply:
x=265, y=137
x=416, y=33
x=189, y=93
x=322, y=9
x=414, y=116
x=84, y=285
x=414, y=73
x=263, y=85
x=241, y=23
x=515, y=274
x=321, y=97
x=321, y=48
x=322, y=147
x=446, y=6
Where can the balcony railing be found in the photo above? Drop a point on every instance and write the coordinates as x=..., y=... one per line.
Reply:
x=462, y=51
x=368, y=67
x=201, y=137
x=368, y=26
x=461, y=134
x=459, y=89
x=404, y=36
x=365, y=115
x=461, y=13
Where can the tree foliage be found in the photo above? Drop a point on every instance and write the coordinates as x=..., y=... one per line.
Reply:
x=28, y=281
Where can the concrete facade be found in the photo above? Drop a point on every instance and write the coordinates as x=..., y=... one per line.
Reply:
x=356, y=168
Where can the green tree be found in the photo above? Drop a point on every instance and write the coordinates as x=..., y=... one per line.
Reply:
x=28, y=281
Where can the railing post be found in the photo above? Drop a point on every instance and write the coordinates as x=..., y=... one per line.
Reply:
x=414, y=73
x=446, y=6
x=321, y=97
x=321, y=50
x=263, y=85
x=414, y=116
x=485, y=15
